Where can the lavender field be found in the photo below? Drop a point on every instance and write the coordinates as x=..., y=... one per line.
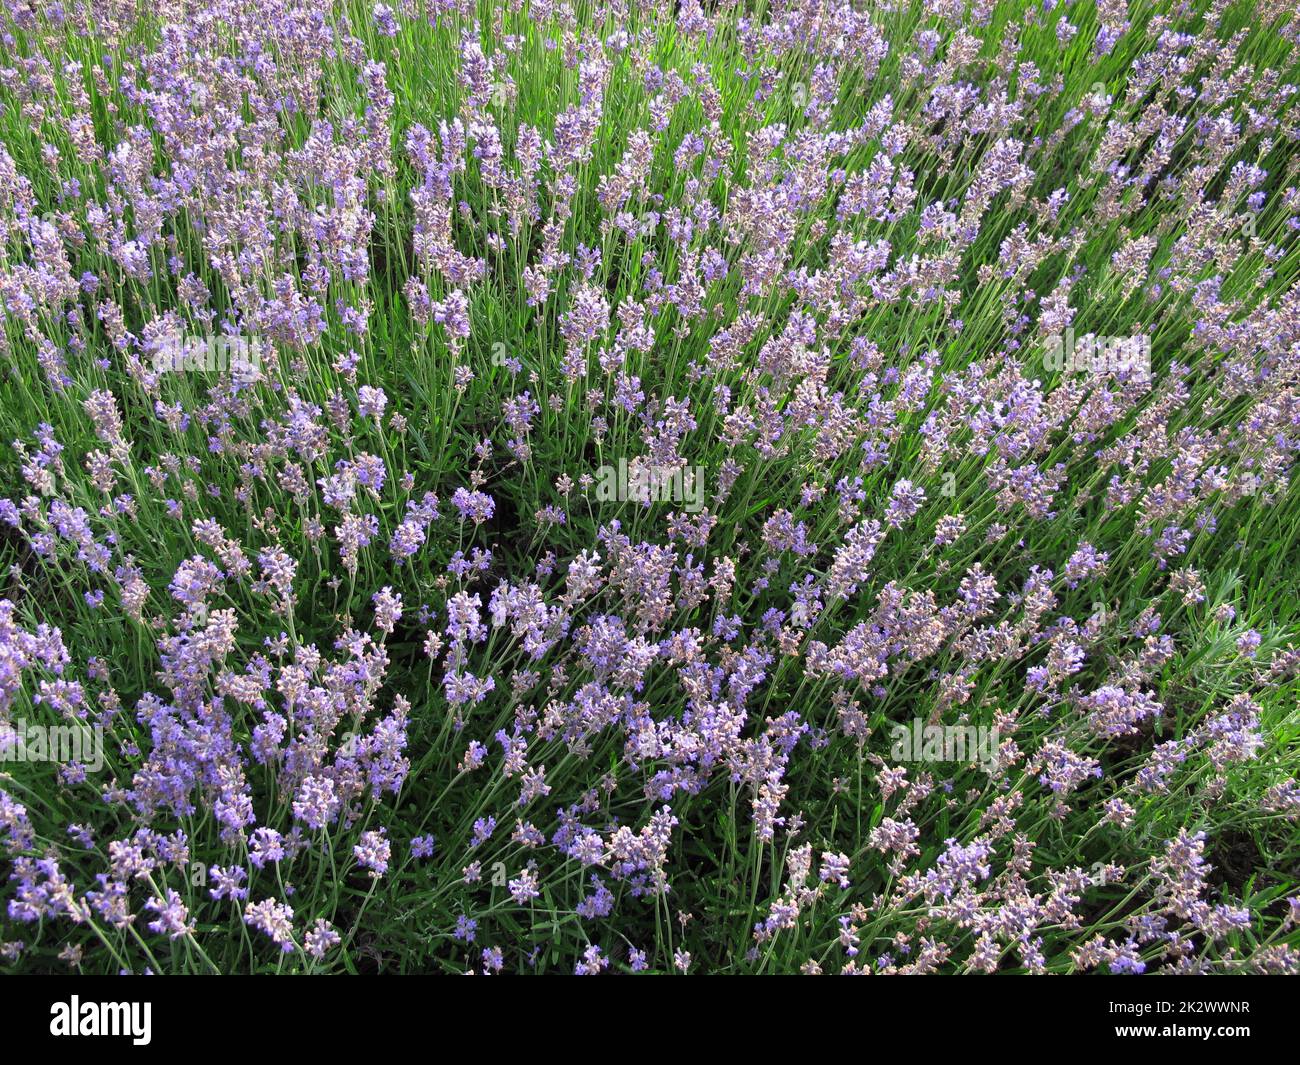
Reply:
x=573, y=487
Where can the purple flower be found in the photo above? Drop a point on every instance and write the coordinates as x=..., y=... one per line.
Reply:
x=173, y=917
x=321, y=939
x=475, y=506
x=373, y=852
x=274, y=919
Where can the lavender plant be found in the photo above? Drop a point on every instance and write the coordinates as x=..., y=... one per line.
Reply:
x=658, y=487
